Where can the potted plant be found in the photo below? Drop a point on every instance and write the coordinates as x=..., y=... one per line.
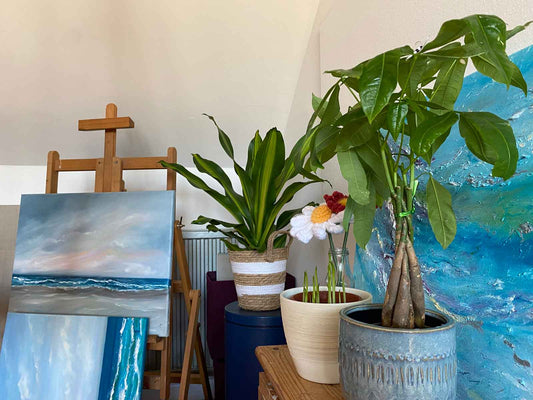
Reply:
x=311, y=317
x=403, y=111
x=256, y=241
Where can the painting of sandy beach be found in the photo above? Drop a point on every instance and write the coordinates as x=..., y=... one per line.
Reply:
x=95, y=254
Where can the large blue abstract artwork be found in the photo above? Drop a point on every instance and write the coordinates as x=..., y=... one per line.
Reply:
x=485, y=278
x=104, y=254
x=63, y=357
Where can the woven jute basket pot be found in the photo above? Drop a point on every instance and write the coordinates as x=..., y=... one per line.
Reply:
x=260, y=277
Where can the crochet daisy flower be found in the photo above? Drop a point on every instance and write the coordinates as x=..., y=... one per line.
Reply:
x=316, y=222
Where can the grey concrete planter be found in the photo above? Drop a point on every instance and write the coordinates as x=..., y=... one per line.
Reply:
x=396, y=364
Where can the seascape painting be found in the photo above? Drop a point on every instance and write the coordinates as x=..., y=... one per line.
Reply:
x=104, y=254
x=65, y=357
x=484, y=280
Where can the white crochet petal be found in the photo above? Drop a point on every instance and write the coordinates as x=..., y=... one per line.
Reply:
x=337, y=218
x=319, y=231
x=300, y=220
x=308, y=210
x=303, y=233
x=334, y=228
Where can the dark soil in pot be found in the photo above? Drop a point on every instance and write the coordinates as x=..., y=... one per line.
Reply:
x=373, y=317
x=339, y=297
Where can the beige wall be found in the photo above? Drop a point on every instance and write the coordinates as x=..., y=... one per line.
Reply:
x=164, y=63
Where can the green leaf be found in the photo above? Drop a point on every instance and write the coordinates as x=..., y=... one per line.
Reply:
x=491, y=139
x=355, y=133
x=377, y=83
x=224, y=140
x=428, y=131
x=253, y=148
x=396, y=118
x=217, y=173
x=509, y=34
x=242, y=232
x=440, y=212
x=323, y=148
x=416, y=71
x=449, y=83
x=276, y=208
x=268, y=164
x=455, y=50
x=370, y=155
x=200, y=184
x=363, y=216
x=354, y=173
x=449, y=31
x=348, y=213
x=331, y=112
x=354, y=72
x=488, y=32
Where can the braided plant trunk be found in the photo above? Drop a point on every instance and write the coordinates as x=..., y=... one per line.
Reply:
x=404, y=306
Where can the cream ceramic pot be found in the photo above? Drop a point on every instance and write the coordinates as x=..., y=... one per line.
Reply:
x=312, y=333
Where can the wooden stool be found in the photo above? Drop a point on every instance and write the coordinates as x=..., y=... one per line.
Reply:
x=281, y=381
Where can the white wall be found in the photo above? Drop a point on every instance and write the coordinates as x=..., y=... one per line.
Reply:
x=163, y=63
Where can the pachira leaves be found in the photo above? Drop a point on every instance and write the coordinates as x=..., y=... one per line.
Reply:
x=258, y=210
x=352, y=170
x=363, y=218
x=490, y=139
x=449, y=83
x=430, y=130
x=396, y=118
x=489, y=33
x=440, y=212
x=378, y=81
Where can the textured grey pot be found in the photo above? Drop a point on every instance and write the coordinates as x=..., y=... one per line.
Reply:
x=378, y=363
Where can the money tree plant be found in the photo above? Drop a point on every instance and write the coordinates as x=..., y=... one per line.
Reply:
x=402, y=112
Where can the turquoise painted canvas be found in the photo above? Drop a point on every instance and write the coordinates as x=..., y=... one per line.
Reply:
x=65, y=357
x=485, y=278
x=104, y=254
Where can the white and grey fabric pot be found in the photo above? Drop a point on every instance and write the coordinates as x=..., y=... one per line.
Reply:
x=312, y=333
x=384, y=363
x=260, y=277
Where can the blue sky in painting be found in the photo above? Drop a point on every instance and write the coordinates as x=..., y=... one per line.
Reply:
x=125, y=235
x=52, y=357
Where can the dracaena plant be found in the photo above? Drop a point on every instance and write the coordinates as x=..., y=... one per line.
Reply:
x=402, y=112
x=257, y=210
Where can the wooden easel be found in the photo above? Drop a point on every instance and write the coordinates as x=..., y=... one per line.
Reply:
x=108, y=178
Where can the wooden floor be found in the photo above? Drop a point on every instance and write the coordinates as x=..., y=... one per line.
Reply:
x=195, y=392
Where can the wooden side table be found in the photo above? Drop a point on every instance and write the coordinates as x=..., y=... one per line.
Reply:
x=281, y=381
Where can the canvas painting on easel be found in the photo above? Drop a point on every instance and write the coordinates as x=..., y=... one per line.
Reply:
x=95, y=254
x=65, y=357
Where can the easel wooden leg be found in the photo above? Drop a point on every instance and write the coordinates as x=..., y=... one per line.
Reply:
x=202, y=367
x=164, y=391
x=183, y=267
x=190, y=342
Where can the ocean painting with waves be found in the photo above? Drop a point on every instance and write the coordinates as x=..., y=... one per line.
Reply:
x=104, y=254
x=64, y=357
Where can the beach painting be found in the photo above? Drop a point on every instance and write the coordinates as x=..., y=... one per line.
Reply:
x=65, y=357
x=107, y=254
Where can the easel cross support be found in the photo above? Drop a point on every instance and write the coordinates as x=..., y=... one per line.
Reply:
x=108, y=178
